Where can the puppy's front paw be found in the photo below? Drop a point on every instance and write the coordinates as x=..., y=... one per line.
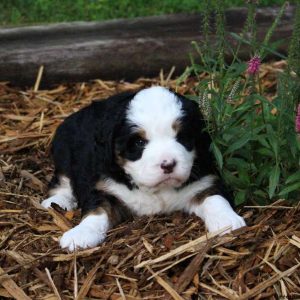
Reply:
x=216, y=222
x=81, y=238
x=217, y=214
x=89, y=233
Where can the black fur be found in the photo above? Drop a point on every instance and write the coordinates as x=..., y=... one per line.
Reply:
x=83, y=151
x=87, y=142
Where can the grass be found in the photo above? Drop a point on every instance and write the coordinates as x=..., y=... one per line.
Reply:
x=19, y=12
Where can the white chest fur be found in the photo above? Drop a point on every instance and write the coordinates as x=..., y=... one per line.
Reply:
x=148, y=202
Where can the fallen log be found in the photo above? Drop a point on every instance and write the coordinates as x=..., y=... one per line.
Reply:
x=118, y=49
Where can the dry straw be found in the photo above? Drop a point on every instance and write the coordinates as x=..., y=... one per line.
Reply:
x=163, y=257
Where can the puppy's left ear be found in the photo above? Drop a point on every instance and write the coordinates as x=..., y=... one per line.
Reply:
x=199, y=132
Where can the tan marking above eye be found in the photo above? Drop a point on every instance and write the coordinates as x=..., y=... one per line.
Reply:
x=142, y=133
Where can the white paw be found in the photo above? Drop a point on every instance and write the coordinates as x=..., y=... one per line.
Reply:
x=89, y=233
x=80, y=238
x=217, y=214
x=63, y=201
x=221, y=220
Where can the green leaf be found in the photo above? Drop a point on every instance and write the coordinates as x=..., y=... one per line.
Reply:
x=262, y=140
x=237, y=162
x=260, y=193
x=273, y=140
x=218, y=155
x=273, y=180
x=291, y=188
x=232, y=180
x=271, y=49
x=239, y=38
x=239, y=143
x=244, y=176
x=262, y=177
x=265, y=152
x=294, y=177
x=240, y=197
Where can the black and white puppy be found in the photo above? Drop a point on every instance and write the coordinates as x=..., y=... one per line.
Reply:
x=135, y=154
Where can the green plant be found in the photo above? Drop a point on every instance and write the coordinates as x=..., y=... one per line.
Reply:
x=253, y=137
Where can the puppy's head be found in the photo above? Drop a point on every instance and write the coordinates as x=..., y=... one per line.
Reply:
x=156, y=146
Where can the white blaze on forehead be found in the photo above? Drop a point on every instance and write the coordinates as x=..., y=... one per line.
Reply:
x=155, y=110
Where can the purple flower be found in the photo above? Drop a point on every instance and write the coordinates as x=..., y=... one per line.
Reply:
x=253, y=65
x=298, y=120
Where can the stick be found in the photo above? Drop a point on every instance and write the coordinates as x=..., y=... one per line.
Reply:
x=38, y=79
x=186, y=247
x=190, y=271
x=165, y=285
x=53, y=285
x=12, y=288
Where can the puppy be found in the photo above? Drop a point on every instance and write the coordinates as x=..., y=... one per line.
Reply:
x=138, y=154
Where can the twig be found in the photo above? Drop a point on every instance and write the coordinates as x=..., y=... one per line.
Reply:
x=270, y=206
x=75, y=275
x=89, y=280
x=165, y=285
x=262, y=286
x=52, y=284
x=171, y=265
x=186, y=247
x=38, y=79
x=120, y=289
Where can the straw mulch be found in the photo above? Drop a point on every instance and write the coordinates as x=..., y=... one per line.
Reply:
x=159, y=257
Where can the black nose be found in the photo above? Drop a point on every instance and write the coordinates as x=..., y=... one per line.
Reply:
x=168, y=166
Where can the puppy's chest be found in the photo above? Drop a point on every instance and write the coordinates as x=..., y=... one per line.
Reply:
x=147, y=203
x=144, y=202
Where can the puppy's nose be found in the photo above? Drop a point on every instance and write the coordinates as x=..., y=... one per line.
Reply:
x=168, y=166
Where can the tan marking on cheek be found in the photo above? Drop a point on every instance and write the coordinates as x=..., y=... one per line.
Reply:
x=176, y=126
x=101, y=186
x=121, y=161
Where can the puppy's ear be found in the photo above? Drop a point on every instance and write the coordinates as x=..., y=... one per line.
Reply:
x=111, y=114
x=198, y=129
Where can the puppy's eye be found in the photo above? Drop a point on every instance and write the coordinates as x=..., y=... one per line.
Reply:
x=136, y=143
x=140, y=143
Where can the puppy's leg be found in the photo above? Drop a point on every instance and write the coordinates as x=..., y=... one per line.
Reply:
x=61, y=194
x=90, y=232
x=215, y=211
x=99, y=215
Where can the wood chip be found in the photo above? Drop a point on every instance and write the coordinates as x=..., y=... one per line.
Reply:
x=60, y=220
x=256, y=262
x=12, y=288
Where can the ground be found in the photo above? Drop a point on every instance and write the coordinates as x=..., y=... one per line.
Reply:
x=161, y=257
